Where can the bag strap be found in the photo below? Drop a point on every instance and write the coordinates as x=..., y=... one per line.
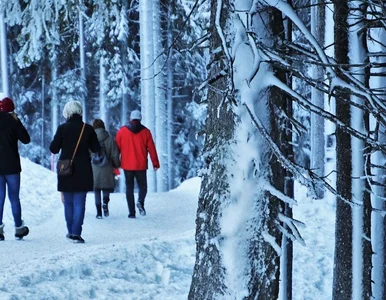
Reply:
x=77, y=144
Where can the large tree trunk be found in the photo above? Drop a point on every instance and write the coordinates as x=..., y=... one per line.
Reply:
x=208, y=275
x=238, y=240
x=342, y=281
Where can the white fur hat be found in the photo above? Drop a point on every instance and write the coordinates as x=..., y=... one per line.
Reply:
x=71, y=108
x=135, y=115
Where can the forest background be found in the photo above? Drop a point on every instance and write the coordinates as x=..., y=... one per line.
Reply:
x=56, y=51
x=249, y=94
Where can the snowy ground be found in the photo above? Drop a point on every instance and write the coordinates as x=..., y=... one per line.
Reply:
x=149, y=257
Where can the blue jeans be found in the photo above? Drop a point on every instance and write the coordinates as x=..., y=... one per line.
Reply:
x=74, y=209
x=13, y=185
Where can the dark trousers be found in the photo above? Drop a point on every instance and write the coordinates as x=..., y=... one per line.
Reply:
x=74, y=209
x=140, y=177
x=13, y=183
x=98, y=199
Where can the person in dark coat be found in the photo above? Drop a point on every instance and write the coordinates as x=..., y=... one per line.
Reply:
x=11, y=131
x=76, y=186
x=104, y=177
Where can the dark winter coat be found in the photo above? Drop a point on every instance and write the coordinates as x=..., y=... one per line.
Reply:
x=65, y=140
x=11, y=131
x=135, y=142
x=104, y=176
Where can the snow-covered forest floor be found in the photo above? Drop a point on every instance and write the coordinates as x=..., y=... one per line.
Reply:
x=150, y=257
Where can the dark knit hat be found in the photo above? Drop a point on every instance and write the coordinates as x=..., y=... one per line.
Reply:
x=6, y=105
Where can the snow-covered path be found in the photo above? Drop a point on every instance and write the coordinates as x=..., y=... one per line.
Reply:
x=149, y=257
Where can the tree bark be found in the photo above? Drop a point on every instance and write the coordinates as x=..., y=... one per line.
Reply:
x=208, y=274
x=318, y=29
x=342, y=280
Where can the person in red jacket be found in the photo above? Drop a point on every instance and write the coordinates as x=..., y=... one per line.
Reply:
x=135, y=142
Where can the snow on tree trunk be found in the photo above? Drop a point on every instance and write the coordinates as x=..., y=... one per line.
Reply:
x=378, y=228
x=82, y=59
x=3, y=56
x=286, y=260
x=169, y=97
x=160, y=134
x=238, y=241
x=362, y=250
x=102, y=89
x=317, y=121
x=147, y=77
x=342, y=280
x=54, y=99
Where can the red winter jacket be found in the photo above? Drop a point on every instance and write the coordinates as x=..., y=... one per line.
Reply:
x=135, y=142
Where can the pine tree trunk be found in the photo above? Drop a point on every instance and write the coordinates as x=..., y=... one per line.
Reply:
x=169, y=97
x=317, y=161
x=208, y=274
x=82, y=59
x=217, y=272
x=160, y=134
x=102, y=91
x=367, y=250
x=147, y=77
x=3, y=56
x=342, y=281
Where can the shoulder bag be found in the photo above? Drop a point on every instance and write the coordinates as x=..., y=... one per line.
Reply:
x=64, y=166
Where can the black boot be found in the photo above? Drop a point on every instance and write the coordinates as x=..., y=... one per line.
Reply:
x=2, y=232
x=99, y=211
x=106, y=206
x=21, y=231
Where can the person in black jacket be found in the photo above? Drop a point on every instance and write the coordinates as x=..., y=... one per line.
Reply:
x=76, y=186
x=11, y=131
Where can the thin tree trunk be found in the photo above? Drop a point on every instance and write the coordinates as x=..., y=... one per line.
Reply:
x=379, y=220
x=169, y=97
x=54, y=99
x=147, y=77
x=160, y=99
x=318, y=18
x=102, y=93
x=362, y=188
x=82, y=58
x=342, y=280
x=3, y=56
x=287, y=257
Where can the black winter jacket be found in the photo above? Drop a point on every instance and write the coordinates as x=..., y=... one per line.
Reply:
x=11, y=131
x=65, y=139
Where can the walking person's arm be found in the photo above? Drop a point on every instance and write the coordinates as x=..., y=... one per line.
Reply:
x=115, y=155
x=153, y=152
x=56, y=143
x=22, y=133
x=94, y=145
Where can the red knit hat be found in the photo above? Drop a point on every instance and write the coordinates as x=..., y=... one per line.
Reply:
x=6, y=105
